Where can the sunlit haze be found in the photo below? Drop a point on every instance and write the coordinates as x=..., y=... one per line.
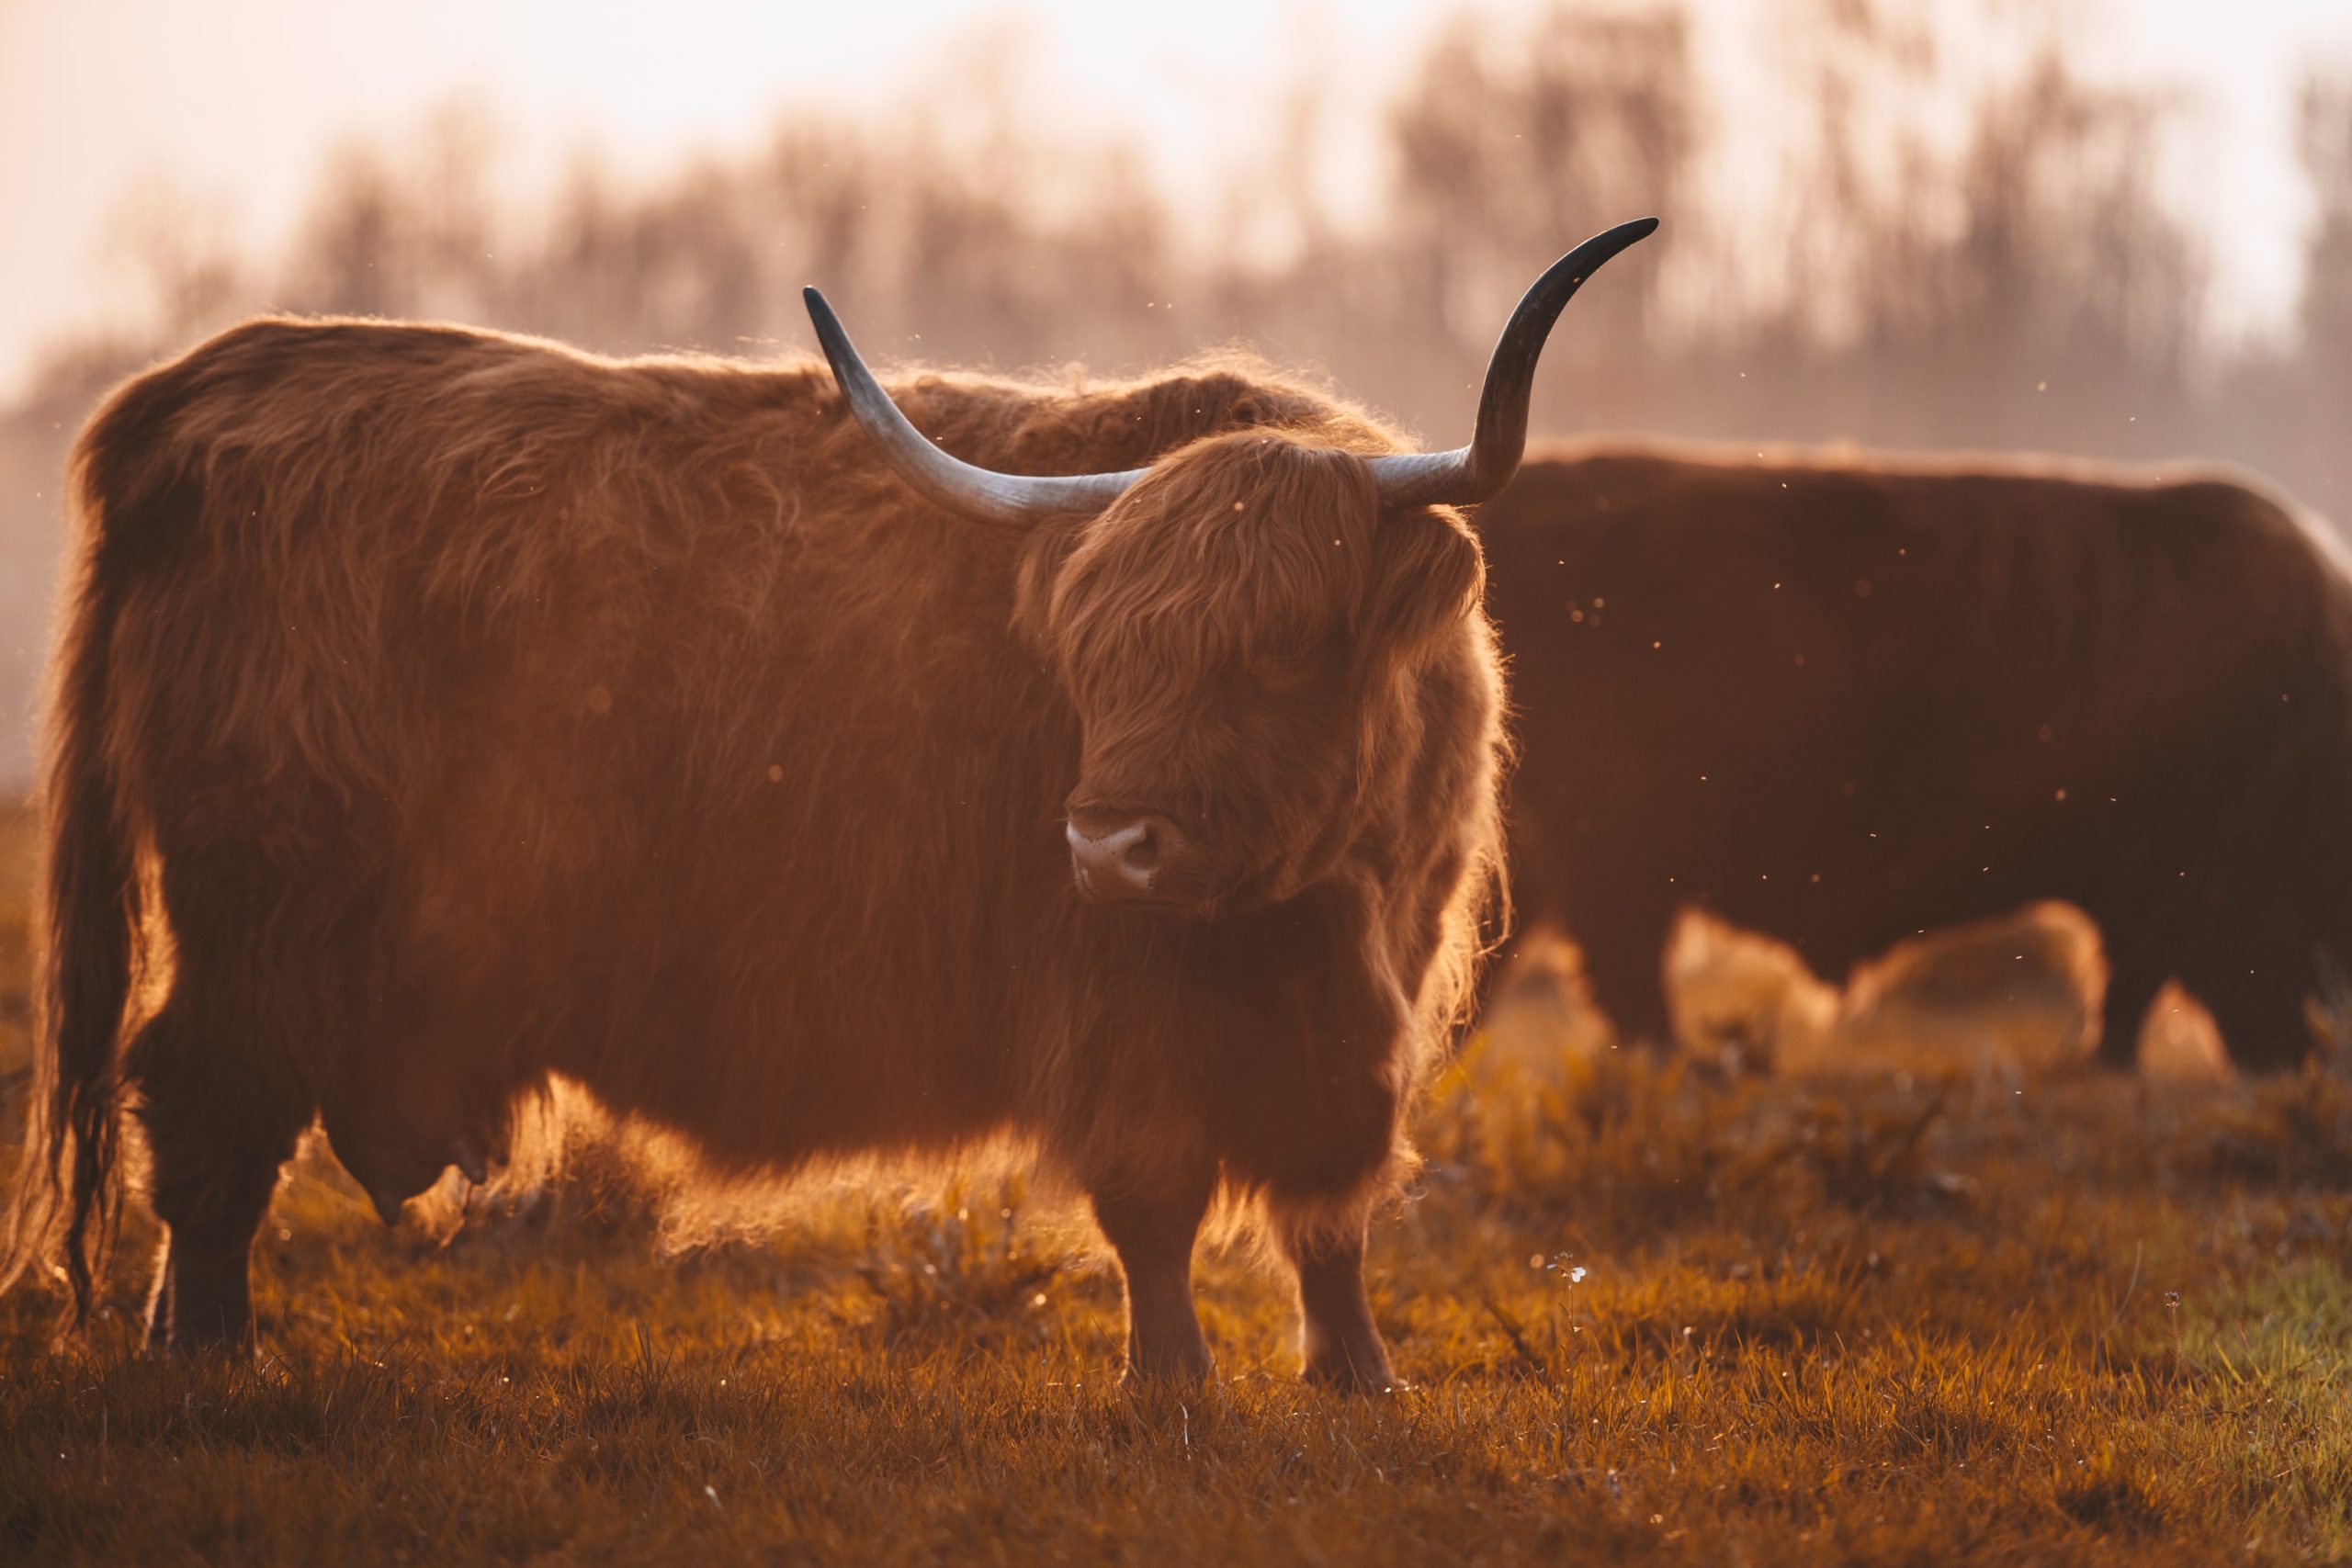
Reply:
x=107, y=104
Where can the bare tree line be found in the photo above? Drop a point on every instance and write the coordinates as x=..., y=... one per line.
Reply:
x=2020, y=285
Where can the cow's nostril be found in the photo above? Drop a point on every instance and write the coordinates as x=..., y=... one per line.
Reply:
x=1120, y=857
x=1142, y=852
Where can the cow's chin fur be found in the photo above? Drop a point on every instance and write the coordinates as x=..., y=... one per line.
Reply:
x=1199, y=911
x=1238, y=634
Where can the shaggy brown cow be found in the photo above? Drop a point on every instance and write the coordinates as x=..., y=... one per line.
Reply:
x=1838, y=701
x=482, y=710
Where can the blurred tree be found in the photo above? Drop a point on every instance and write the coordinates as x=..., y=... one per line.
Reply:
x=2020, y=283
x=815, y=183
x=2288, y=413
x=405, y=235
x=2068, y=270
x=1509, y=147
x=2324, y=141
x=349, y=259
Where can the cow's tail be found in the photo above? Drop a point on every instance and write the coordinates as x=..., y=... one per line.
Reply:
x=61, y=1218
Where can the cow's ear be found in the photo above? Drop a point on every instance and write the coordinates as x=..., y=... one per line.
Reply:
x=1428, y=574
x=1042, y=555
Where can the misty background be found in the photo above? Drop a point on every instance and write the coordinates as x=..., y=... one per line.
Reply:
x=1946, y=247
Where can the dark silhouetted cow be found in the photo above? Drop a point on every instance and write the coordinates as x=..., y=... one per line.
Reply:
x=1839, y=701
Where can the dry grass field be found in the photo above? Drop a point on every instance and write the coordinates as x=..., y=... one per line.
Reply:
x=1647, y=1312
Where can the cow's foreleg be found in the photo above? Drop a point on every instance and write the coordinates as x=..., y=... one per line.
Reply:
x=217, y=1127
x=1152, y=1229
x=1342, y=1344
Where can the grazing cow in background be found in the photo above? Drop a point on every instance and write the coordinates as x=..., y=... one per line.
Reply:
x=482, y=710
x=1840, y=700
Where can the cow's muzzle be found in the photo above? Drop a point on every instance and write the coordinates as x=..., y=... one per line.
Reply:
x=1131, y=857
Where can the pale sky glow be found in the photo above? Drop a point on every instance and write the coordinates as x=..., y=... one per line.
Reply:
x=238, y=100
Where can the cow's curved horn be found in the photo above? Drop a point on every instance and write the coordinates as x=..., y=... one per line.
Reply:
x=1462, y=477
x=1468, y=474
x=950, y=481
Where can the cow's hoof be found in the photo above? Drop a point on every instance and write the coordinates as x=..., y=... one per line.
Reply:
x=1178, y=1374
x=1365, y=1370
x=190, y=1350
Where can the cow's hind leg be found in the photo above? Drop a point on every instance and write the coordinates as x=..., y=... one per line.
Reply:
x=2254, y=965
x=1624, y=973
x=1152, y=1229
x=2134, y=975
x=218, y=1123
x=1341, y=1346
x=2259, y=1002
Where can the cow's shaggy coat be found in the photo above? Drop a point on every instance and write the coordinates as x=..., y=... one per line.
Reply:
x=1840, y=699
x=480, y=709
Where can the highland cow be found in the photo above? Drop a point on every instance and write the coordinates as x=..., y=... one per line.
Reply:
x=478, y=710
x=1841, y=701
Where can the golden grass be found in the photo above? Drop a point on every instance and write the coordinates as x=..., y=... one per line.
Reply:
x=1648, y=1312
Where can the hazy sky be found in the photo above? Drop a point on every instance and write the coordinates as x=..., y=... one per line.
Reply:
x=237, y=100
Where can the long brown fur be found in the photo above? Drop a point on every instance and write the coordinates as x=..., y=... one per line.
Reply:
x=486, y=709
x=1842, y=697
